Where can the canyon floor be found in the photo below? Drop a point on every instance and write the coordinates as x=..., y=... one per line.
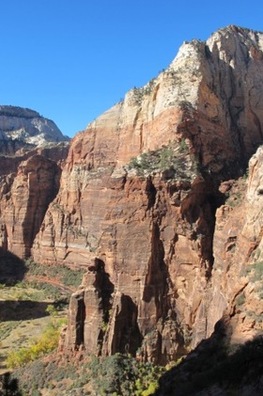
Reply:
x=29, y=305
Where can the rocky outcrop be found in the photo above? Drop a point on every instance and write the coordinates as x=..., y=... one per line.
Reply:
x=23, y=129
x=140, y=256
x=210, y=95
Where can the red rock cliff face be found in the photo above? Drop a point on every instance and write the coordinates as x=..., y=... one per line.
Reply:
x=138, y=197
x=149, y=253
x=236, y=287
x=25, y=196
x=32, y=151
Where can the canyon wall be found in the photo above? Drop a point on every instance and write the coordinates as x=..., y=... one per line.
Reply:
x=236, y=287
x=208, y=100
x=141, y=204
x=32, y=151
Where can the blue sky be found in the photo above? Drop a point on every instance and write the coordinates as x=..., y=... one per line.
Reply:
x=71, y=60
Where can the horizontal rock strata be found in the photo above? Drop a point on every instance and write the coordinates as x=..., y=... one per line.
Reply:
x=141, y=205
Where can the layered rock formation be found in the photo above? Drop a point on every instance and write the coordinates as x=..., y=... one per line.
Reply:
x=208, y=99
x=140, y=206
x=150, y=220
x=32, y=151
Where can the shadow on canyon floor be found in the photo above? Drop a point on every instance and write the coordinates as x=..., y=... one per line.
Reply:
x=22, y=310
x=216, y=367
x=9, y=386
x=12, y=268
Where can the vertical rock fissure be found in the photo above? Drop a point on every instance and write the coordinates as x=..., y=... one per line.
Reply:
x=104, y=288
x=126, y=336
x=80, y=321
x=151, y=193
x=156, y=280
x=199, y=210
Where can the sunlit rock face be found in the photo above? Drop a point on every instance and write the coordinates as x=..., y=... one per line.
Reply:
x=22, y=129
x=140, y=192
x=32, y=151
x=139, y=204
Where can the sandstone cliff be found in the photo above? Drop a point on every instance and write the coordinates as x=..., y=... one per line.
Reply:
x=236, y=287
x=32, y=150
x=208, y=102
x=138, y=201
x=229, y=359
x=141, y=205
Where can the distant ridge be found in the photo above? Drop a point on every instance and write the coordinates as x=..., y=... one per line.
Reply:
x=27, y=127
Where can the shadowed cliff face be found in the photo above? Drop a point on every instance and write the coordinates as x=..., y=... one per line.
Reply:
x=12, y=268
x=139, y=205
x=217, y=368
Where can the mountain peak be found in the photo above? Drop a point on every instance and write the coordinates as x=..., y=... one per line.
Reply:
x=16, y=111
x=26, y=127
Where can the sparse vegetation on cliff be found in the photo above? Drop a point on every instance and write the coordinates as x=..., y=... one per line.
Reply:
x=255, y=273
x=258, y=271
x=235, y=196
x=173, y=159
x=65, y=275
x=139, y=93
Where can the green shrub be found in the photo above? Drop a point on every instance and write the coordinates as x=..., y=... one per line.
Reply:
x=51, y=310
x=172, y=158
x=240, y=300
x=183, y=146
x=125, y=376
x=66, y=275
x=45, y=344
x=258, y=270
x=120, y=375
x=255, y=271
x=153, y=386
